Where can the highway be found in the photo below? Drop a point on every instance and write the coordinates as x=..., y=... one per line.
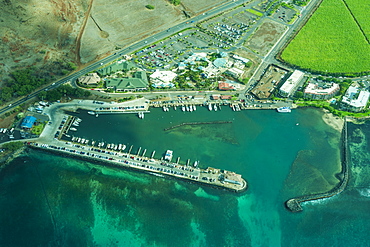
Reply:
x=127, y=50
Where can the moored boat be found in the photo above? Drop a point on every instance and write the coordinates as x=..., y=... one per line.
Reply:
x=168, y=155
x=284, y=109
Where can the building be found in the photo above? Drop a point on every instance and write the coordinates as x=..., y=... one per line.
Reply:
x=225, y=86
x=291, y=84
x=235, y=72
x=355, y=99
x=28, y=122
x=215, y=96
x=91, y=79
x=115, y=67
x=138, y=82
x=244, y=60
x=226, y=97
x=321, y=91
x=220, y=63
x=161, y=79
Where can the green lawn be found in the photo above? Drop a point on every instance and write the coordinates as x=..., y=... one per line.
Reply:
x=255, y=12
x=331, y=41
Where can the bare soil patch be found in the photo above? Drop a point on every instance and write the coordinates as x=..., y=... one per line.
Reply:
x=265, y=37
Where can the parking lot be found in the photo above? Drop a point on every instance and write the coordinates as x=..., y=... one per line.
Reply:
x=218, y=33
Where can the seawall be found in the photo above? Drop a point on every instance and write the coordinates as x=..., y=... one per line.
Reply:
x=294, y=204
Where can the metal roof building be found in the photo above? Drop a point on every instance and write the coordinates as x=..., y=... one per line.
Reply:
x=291, y=84
x=28, y=122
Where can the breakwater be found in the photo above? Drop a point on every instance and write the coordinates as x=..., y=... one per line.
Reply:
x=294, y=204
x=212, y=177
x=197, y=123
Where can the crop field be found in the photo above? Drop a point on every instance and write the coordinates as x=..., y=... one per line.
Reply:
x=361, y=13
x=331, y=41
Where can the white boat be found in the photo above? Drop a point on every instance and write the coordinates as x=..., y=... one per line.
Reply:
x=175, y=108
x=83, y=140
x=195, y=163
x=168, y=155
x=215, y=107
x=191, y=108
x=183, y=108
x=123, y=147
x=79, y=139
x=194, y=107
x=91, y=112
x=119, y=146
x=210, y=107
x=164, y=108
x=284, y=109
x=233, y=107
x=187, y=108
x=73, y=129
x=108, y=146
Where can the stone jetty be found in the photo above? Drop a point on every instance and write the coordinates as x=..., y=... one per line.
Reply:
x=294, y=204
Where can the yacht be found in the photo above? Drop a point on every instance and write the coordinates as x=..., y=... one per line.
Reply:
x=284, y=109
x=168, y=155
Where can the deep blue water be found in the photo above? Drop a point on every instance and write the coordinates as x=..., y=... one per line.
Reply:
x=57, y=201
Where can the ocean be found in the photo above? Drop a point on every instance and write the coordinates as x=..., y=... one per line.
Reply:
x=48, y=200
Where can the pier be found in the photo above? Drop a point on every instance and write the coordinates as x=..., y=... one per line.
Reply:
x=196, y=123
x=294, y=204
x=212, y=177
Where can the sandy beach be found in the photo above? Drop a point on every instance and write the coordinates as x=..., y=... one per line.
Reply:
x=332, y=120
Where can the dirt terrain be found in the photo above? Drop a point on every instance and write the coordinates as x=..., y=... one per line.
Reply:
x=265, y=37
x=36, y=33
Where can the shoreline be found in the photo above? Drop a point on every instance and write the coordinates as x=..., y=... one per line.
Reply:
x=333, y=121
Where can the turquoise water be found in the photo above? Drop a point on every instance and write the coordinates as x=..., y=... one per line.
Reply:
x=58, y=201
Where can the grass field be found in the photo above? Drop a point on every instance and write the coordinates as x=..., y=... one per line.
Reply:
x=331, y=41
x=257, y=13
x=361, y=13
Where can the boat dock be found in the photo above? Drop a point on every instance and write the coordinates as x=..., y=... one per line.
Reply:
x=210, y=176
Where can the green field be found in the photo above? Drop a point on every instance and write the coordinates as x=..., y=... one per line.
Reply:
x=361, y=12
x=331, y=41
